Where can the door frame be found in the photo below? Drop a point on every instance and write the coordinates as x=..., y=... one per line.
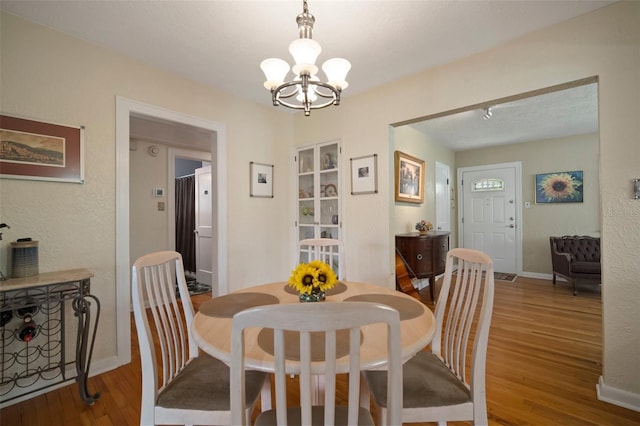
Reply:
x=517, y=165
x=447, y=192
x=124, y=109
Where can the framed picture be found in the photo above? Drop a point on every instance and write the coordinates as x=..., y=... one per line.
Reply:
x=40, y=151
x=409, y=178
x=261, y=184
x=559, y=187
x=364, y=175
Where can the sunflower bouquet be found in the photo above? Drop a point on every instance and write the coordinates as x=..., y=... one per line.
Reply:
x=312, y=279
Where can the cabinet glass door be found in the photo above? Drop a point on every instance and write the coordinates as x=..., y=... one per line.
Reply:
x=318, y=191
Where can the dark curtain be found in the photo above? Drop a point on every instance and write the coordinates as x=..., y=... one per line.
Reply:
x=185, y=221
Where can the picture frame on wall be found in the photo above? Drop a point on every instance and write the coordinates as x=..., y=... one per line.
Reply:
x=261, y=183
x=37, y=150
x=364, y=175
x=559, y=187
x=409, y=178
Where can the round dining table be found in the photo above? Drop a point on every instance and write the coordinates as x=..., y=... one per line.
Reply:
x=212, y=324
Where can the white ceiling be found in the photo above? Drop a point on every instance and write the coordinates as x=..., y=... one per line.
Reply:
x=567, y=112
x=221, y=43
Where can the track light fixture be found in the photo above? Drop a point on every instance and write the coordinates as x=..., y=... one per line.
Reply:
x=305, y=89
x=488, y=113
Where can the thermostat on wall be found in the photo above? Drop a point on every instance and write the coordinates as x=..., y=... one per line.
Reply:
x=158, y=192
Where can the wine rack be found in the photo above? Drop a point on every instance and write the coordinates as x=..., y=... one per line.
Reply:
x=38, y=317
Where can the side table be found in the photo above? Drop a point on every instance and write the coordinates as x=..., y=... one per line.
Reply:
x=36, y=353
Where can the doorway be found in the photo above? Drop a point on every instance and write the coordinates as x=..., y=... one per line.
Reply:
x=489, y=212
x=125, y=110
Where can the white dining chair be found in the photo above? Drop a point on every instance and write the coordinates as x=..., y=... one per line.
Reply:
x=437, y=386
x=316, y=325
x=179, y=386
x=328, y=250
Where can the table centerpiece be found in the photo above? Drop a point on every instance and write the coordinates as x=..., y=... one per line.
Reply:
x=312, y=279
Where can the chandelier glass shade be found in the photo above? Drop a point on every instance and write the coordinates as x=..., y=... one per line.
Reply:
x=306, y=91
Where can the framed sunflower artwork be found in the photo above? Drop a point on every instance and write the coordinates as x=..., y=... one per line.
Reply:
x=559, y=187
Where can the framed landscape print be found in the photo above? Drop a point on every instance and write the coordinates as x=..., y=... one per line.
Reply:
x=364, y=175
x=35, y=150
x=559, y=187
x=409, y=178
x=261, y=180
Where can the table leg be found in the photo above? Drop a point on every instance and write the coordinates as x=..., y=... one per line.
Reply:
x=84, y=349
x=317, y=389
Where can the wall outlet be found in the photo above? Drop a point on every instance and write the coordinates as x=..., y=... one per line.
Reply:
x=160, y=206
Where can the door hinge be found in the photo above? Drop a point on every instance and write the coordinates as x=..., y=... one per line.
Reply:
x=295, y=223
x=463, y=220
x=447, y=181
x=295, y=158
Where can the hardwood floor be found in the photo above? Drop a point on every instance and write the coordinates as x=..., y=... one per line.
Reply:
x=544, y=360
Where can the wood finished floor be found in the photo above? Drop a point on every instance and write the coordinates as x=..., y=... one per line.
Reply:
x=544, y=360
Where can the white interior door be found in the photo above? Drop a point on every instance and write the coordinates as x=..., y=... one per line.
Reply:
x=443, y=200
x=204, y=229
x=489, y=213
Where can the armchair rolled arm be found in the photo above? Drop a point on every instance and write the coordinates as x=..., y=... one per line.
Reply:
x=560, y=261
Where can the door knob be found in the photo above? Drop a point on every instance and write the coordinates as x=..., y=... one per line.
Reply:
x=511, y=226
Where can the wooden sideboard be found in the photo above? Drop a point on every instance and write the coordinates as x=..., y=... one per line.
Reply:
x=424, y=255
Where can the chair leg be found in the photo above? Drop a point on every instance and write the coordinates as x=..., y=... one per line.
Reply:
x=575, y=287
x=554, y=279
x=365, y=394
x=265, y=395
x=432, y=284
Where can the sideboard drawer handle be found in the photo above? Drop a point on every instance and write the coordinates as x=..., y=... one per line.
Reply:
x=419, y=256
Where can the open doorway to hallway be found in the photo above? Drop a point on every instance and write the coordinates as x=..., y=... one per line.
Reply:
x=127, y=111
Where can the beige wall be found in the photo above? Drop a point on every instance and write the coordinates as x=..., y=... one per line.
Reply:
x=52, y=77
x=544, y=220
x=604, y=43
x=412, y=142
x=148, y=227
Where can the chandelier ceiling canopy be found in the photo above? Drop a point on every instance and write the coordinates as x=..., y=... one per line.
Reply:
x=306, y=91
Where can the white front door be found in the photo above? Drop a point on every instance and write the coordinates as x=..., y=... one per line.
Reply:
x=489, y=213
x=443, y=198
x=203, y=231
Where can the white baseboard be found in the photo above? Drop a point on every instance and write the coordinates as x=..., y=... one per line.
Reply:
x=420, y=283
x=104, y=365
x=617, y=396
x=540, y=276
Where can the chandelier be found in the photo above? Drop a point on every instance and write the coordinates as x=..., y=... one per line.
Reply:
x=305, y=91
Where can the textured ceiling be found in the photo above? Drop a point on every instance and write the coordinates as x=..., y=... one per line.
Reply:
x=557, y=114
x=221, y=43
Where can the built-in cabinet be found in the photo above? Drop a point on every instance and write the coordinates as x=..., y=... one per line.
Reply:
x=319, y=201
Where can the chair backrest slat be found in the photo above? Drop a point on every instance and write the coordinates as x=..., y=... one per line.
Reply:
x=327, y=250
